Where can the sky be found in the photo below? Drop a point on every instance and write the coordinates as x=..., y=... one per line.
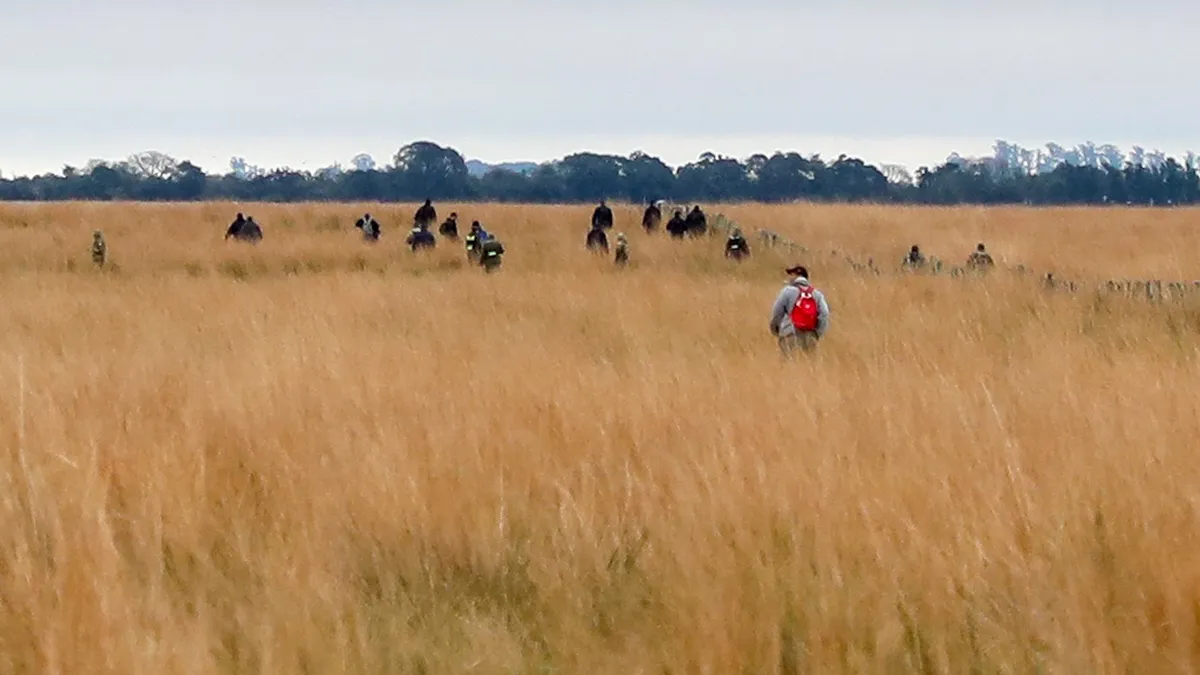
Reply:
x=307, y=83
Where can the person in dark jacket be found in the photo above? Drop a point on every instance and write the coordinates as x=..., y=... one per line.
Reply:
x=697, y=222
x=602, y=217
x=235, y=228
x=651, y=218
x=677, y=226
x=249, y=231
x=449, y=228
x=426, y=215
x=490, y=253
x=597, y=240
x=420, y=237
x=736, y=246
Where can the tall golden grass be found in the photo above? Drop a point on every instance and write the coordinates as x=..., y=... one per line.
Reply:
x=318, y=456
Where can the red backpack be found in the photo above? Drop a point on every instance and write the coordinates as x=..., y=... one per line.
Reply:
x=805, y=312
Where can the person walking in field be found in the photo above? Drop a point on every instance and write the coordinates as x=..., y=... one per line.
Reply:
x=369, y=226
x=235, y=228
x=602, y=217
x=736, y=246
x=449, y=227
x=697, y=222
x=677, y=226
x=490, y=253
x=914, y=259
x=246, y=230
x=651, y=218
x=800, y=315
x=420, y=238
x=980, y=259
x=99, y=249
x=426, y=215
x=621, y=257
x=475, y=239
x=597, y=240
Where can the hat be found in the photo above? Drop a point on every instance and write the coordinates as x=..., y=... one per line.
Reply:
x=797, y=271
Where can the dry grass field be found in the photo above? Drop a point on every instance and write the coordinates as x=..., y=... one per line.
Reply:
x=317, y=456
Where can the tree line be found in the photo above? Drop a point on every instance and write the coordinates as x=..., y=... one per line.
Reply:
x=1085, y=174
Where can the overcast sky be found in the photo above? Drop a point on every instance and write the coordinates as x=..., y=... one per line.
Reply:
x=306, y=84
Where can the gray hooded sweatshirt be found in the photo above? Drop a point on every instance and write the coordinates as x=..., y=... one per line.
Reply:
x=781, y=321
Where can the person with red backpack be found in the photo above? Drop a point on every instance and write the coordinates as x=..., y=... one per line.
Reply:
x=800, y=316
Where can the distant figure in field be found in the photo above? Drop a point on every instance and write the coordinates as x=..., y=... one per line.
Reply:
x=426, y=215
x=736, y=246
x=247, y=230
x=621, y=257
x=369, y=226
x=449, y=227
x=677, y=226
x=475, y=239
x=697, y=222
x=800, y=315
x=597, y=240
x=99, y=249
x=914, y=259
x=980, y=259
x=420, y=237
x=602, y=217
x=490, y=253
x=235, y=228
x=652, y=218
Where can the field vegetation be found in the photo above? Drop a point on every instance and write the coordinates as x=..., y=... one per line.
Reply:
x=319, y=456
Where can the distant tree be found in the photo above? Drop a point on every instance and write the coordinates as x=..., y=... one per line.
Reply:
x=645, y=178
x=897, y=174
x=240, y=169
x=1086, y=173
x=588, y=177
x=786, y=177
x=503, y=185
x=152, y=164
x=331, y=172
x=546, y=184
x=362, y=162
x=427, y=170
x=190, y=181
x=712, y=178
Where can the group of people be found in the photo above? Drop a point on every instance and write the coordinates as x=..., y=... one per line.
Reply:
x=979, y=260
x=482, y=247
x=799, y=316
x=244, y=229
x=694, y=225
x=597, y=236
